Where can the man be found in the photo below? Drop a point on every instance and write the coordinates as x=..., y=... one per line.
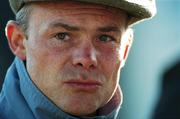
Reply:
x=68, y=57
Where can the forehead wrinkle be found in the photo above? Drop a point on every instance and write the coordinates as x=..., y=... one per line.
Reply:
x=59, y=12
x=91, y=11
x=79, y=28
x=85, y=10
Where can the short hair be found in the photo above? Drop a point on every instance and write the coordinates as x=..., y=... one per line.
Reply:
x=22, y=18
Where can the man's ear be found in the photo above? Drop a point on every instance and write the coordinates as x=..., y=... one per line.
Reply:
x=126, y=43
x=16, y=39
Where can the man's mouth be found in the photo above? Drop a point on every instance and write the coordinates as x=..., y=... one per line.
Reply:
x=83, y=85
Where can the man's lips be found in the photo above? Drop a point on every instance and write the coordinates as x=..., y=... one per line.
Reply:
x=83, y=85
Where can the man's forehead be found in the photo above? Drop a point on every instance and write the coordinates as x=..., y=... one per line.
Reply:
x=81, y=11
x=64, y=18
x=72, y=27
x=78, y=17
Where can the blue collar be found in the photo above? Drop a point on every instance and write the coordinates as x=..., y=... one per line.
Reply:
x=29, y=102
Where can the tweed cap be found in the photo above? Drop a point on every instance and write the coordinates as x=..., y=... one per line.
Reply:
x=138, y=10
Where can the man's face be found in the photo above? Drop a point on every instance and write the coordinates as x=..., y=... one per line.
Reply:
x=73, y=53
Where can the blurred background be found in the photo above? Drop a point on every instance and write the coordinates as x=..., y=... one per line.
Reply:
x=155, y=49
x=6, y=56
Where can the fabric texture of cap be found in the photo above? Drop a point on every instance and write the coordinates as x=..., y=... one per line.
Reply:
x=138, y=10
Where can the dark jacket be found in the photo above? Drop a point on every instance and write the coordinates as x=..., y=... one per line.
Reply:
x=168, y=106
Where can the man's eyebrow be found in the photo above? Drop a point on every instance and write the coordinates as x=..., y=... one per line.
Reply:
x=64, y=25
x=75, y=28
x=109, y=29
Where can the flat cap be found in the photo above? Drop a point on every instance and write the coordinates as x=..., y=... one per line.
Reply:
x=138, y=10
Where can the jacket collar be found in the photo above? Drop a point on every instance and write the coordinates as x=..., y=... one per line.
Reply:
x=39, y=106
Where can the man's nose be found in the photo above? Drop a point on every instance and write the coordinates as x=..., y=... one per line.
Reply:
x=85, y=56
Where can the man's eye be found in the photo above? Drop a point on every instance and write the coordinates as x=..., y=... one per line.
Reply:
x=62, y=36
x=106, y=38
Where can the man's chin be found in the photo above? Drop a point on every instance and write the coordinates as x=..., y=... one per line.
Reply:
x=81, y=107
x=79, y=112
